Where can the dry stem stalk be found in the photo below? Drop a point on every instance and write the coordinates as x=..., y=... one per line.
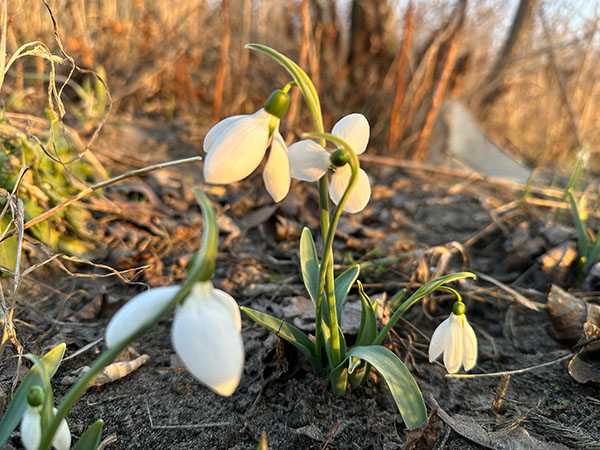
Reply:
x=438, y=97
x=295, y=101
x=400, y=77
x=223, y=62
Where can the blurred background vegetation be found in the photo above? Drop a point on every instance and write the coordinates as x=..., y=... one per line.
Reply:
x=527, y=69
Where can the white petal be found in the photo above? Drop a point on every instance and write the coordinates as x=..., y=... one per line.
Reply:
x=360, y=194
x=31, y=428
x=136, y=312
x=215, y=132
x=439, y=340
x=206, y=289
x=308, y=160
x=238, y=150
x=454, y=349
x=470, y=351
x=354, y=129
x=277, y=170
x=62, y=436
x=207, y=340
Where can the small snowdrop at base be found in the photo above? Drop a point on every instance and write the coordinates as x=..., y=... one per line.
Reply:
x=309, y=162
x=455, y=338
x=205, y=332
x=31, y=425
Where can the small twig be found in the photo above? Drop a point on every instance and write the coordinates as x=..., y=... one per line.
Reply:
x=331, y=434
x=98, y=186
x=536, y=306
x=508, y=372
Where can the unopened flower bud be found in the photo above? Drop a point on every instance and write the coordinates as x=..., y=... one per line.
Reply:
x=35, y=396
x=338, y=158
x=278, y=103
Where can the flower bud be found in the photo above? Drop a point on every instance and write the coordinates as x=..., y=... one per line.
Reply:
x=35, y=396
x=278, y=103
x=338, y=158
x=459, y=308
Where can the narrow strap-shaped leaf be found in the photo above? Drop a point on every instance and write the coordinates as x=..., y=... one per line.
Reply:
x=90, y=439
x=284, y=330
x=343, y=284
x=14, y=412
x=582, y=237
x=339, y=378
x=368, y=319
x=402, y=385
x=594, y=254
x=300, y=77
x=309, y=263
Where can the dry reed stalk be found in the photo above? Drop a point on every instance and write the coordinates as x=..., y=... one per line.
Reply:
x=438, y=96
x=223, y=61
x=401, y=77
x=295, y=100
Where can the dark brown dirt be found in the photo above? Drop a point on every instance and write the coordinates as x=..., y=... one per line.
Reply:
x=160, y=406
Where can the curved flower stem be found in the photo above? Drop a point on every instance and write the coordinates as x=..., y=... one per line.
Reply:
x=201, y=270
x=422, y=292
x=309, y=92
x=326, y=271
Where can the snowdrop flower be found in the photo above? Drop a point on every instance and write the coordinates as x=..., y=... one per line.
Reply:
x=205, y=332
x=236, y=146
x=455, y=338
x=31, y=425
x=309, y=162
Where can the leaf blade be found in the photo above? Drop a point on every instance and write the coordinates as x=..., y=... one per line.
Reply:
x=402, y=385
x=309, y=264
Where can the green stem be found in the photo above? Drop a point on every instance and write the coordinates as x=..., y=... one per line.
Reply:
x=326, y=271
x=201, y=270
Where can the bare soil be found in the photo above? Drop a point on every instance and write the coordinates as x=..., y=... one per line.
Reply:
x=441, y=224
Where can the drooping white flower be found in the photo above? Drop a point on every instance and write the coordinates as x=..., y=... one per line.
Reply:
x=206, y=336
x=31, y=430
x=205, y=332
x=309, y=162
x=236, y=146
x=455, y=338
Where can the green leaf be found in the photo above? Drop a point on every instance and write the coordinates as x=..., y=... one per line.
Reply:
x=343, y=284
x=594, y=254
x=359, y=374
x=396, y=299
x=284, y=330
x=402, y=384
x=309, y=263
x=582, y=237
x=8, y=248
x=14, y=412
x=90, y=439
x=300, y=77
x=339, y=378
x=423, y=291
x=368, y=319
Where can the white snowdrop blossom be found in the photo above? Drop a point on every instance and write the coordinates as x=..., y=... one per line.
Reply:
x=206, y=332
x=455, y=338
x=31, y=430
x=236, y=146
x=309, y=162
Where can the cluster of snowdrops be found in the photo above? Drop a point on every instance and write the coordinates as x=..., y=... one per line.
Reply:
x=206, y=330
